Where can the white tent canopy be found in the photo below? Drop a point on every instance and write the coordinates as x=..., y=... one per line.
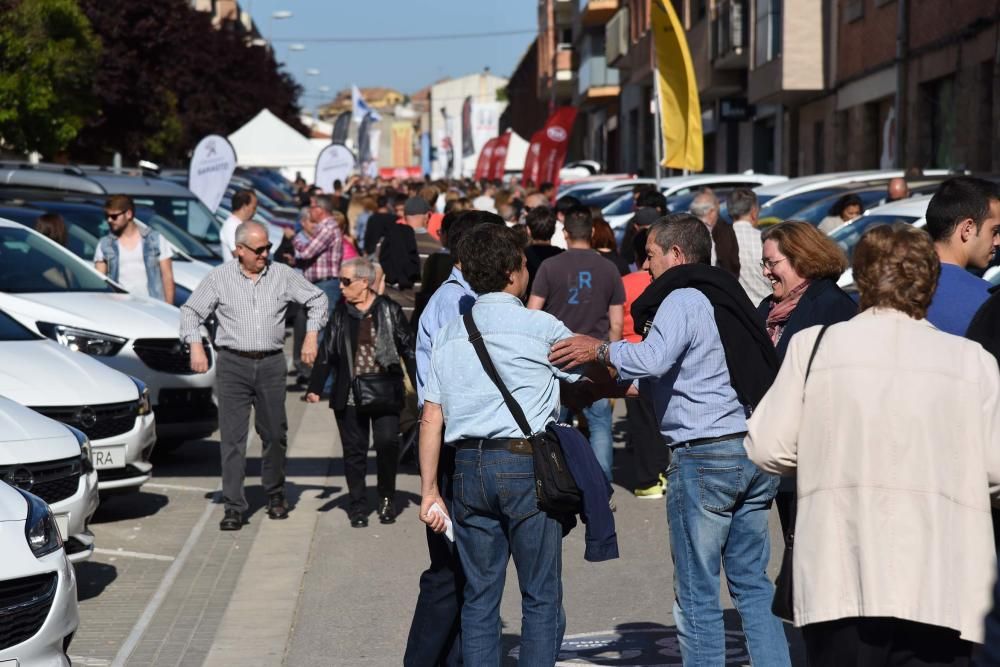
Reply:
x=267, y=141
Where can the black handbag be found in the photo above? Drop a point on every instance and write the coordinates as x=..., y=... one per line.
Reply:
x=783, y=604
x=555, y=489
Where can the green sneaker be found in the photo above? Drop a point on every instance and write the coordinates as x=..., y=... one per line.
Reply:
x=655, y=491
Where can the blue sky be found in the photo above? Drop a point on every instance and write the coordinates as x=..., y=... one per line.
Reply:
x=406, y=66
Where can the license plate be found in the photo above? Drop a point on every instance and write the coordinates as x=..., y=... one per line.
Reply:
x=8, y=663
x=62, y=522
x=109, y=457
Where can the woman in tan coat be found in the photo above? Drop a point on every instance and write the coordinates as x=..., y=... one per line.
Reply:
x=895, y=439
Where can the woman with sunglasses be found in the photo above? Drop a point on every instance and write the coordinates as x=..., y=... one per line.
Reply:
x=366, y=344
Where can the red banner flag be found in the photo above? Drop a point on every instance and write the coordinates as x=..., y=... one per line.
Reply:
x=555, y=144
x=483, y=163
x=529, y=176
x=499, y=160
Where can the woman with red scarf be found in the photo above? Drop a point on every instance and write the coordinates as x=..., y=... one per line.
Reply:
x=803, y=265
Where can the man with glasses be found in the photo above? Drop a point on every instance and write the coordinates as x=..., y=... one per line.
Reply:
x=138, y=259
x=249, y=298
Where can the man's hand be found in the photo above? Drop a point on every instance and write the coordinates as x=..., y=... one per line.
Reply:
x=312, y=398
x=310, y=345
x=574, y=351
x=199, y=360
x=434, y=520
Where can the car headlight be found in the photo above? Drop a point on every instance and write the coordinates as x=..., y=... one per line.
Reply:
x=145, y=405
x=82, y=340
x=86, y=454
x=40, y=529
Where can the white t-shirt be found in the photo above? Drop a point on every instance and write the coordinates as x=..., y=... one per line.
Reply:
x=558, y=238
x=227, y=237
x=131, y=268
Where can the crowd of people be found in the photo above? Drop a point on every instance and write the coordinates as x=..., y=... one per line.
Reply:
x=485, y=314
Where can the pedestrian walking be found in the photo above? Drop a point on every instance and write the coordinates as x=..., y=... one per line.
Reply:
x=366, y=345
x=650, y=206
x=244, y=208
x=963, y=219
x=705, y=361
x=541, y=224
x=893, y=557
x=319, y=248
x=745, y=211
x=603, y=241
x=725, y=247
x=405, y=250
x=495, y=512
x=249, y=297
x=139, y=259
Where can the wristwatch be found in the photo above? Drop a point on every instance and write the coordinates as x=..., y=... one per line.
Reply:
x=602, y=353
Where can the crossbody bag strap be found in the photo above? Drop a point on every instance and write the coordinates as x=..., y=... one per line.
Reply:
x=476, y=339
x=813, y=354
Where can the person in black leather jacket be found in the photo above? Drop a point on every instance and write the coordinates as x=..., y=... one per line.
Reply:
x=367, y=337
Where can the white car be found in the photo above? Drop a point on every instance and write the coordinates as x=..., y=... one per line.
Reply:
x=37, y=585
x=112, y=409
x=55, y=463
x=52, y=292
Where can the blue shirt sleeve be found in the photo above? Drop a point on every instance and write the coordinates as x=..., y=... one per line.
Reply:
x=667, y=341
x=432, y=390
x=558, y=333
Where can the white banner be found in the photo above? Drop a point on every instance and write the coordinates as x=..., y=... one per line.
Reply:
x=335, y=163
x=485, y=126
x=212, y=165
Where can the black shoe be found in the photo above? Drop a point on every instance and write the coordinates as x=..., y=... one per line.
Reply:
x=277, y=508
x=386, y=511
x=359, y=521
x=232, y=521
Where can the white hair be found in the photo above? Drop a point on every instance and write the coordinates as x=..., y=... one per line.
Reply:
x=363, y=269
x=244, y=230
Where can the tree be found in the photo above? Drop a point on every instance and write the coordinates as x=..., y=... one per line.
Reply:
x=47, y=57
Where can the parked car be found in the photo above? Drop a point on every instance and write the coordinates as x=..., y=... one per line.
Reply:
x=52, y=292
x=37, y=584
x=112, y=409
x=55, y=463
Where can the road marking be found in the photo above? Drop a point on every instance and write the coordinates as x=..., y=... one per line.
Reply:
x=178, y=487
x=133, y=554
x=161, y=593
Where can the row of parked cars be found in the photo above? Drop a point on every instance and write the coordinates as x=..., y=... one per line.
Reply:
x=92, y=380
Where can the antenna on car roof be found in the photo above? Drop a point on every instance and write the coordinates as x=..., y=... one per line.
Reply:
x=149, y=168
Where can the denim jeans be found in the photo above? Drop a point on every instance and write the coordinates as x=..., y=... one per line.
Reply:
x=598, y=416
x=718, y=503
x=496, y=517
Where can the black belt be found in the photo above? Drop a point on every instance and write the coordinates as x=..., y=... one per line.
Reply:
x=708, y=441
x=251, y=355
x=516, y=445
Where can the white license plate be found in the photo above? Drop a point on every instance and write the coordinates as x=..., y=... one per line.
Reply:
x=8, y=663
x=109, y=457
x=62, y=521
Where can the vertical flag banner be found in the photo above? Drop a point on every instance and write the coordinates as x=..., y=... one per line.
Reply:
x=447, y=149
x=483, y=164
x=529, y=175
x=341, y=127
x=335, y=163
x=402, y=144
x=212, y=165
x=425, y=153
x=365, y=157
x=468, y=143
x=360, y=108
x=676, y=91
x=555, y=144
x=498, y=161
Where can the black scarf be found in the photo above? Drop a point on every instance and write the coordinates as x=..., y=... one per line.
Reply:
x=749, y=352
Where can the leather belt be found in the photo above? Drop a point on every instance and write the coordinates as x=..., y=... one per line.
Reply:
x=251, y=355
x=515, y=445
x=708, y=441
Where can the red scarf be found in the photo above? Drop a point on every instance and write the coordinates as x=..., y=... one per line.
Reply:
x=780, y=311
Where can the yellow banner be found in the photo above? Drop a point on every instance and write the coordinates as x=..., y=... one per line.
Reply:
x=676, y=91
x=402, y=144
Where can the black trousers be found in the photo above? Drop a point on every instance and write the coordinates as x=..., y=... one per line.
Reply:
x=652, y=456
x=878, y=642
x=435, y=633
x=354, y=433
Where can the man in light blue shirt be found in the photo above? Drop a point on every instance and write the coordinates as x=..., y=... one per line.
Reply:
x=718, y=501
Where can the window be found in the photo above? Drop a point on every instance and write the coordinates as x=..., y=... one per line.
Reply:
x=853, y=10
x=940, y=121
x=767, y=31
x=188, y=214
x=31, y=263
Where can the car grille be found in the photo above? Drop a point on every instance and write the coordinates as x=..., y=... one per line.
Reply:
x=51, y=481
x=97, y=421
x=116, y=474
x=185, y=405
x=24, y=606
x=167, y=355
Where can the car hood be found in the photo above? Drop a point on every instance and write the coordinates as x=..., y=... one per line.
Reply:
x=190, y=274
x=43, y=373
x=122, y=315
x=28, y=437
x=13, y=506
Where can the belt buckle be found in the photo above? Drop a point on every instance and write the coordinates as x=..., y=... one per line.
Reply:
x=520, y=446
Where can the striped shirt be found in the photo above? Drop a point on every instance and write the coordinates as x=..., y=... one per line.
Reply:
x=752, y=278
x=251, y=314
x=319, y=257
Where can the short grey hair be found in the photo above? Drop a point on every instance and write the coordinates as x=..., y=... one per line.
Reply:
x=363, y=269
x=704, y=203
x=244, y=230
x=740, y=202
x=687, y=233
x=325, y=202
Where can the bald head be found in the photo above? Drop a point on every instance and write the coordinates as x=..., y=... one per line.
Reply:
x=898, y=189
x=252, y=247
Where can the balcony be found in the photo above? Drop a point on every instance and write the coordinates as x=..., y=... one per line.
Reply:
x=597, y=12
x=730, y=36
x=597, y=81
x=616, y=37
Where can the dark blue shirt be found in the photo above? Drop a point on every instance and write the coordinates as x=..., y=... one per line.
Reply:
x=959, y=295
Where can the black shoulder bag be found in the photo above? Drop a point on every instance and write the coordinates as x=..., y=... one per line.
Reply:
x=555, y=488
x=782, y=606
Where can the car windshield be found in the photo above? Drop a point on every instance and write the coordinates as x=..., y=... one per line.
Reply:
x=815, y=213
x=31, y=263
x=785, y=209
x=582, y=191
x=187, y=213
x=603, y=199
x=624, y=205
x=847, y=236
x=177, y=236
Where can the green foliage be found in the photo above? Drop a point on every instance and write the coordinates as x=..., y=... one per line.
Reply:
x=48, y=54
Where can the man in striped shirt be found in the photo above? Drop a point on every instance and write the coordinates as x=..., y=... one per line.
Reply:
x=249, y=297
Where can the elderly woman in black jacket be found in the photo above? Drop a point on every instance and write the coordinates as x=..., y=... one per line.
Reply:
x=366, y=344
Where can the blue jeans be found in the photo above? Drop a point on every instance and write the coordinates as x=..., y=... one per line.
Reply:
x=496, y=516
x=718, y=503
x=331, y=288
x=598, y=416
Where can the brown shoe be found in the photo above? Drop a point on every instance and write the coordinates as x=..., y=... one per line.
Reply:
x=277, y=507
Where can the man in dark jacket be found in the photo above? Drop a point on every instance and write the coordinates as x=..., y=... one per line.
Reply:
x=650, y=205
x=405, y=250
x=725, y=247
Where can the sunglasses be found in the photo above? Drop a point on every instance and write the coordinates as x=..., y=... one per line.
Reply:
x=346, y=282
x=258, y=251
x=111, y=215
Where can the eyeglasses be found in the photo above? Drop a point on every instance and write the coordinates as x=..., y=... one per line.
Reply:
x=770, y=264
x=113, y=215
x=258, y=251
